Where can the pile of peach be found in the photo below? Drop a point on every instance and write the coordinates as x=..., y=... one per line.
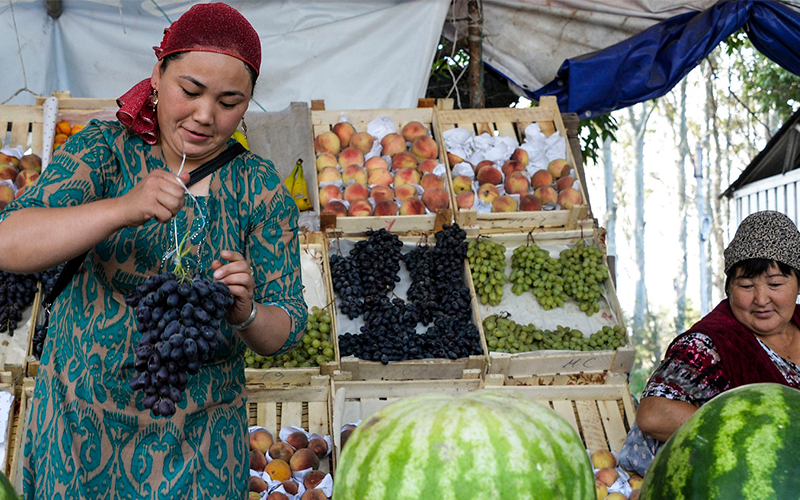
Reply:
x=64, y=130
x=20, y=172
x=552, y=187
x=625, y=485
x=381, y=185
x=281, y=461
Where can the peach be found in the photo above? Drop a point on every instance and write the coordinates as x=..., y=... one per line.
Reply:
x=261, y=440
x=8, y=171
x=465, y=199
x=489, y=175
x=635, y=494
x=569, y=198
x=356, y=191
x=435, y=199
x=565, y=182
x=602, y=459
x=304, y=459
x=512, y=166
x=406, y=176
x=277, y=495
x=281, y=451
x=258, y=461
x=521, y=156
x=559, y=168
x=383, y=208
x=541, y=178
x=412, y=130
x=381, y=193
x=425, y=148
x=380, y=176
x=328, y=193
x=319, y=445
x=601, y=490
x=26, y=178
x=412, y=206
x=547, y=194
x=59, y=139
x=453, y=159
x=351, y=156
x=462, y=183
x=290, y=486
x=488, y=192
x=482, y=164
x=20, y=192
x=13, y=160
x=355, y=173
x=516, y=183
x=430, y=181
x=278, y=470
x=31, y=162
x=607, y=475
x=297, y=440
x=6, y=195
x=392, y=144
x=635, y=481
x=347, y=431
x=314, y=494
x=504, y=203
x=530, y=203
x=253, y=495
x=616, y=496
x=404, y=159
x=404, y=192
x=360, y=208
x=63, y=127
x=257, y=484
x=427, y=166
x=326, y=160
x=329, y=174
x=344, y=131
x=327, y=142
x=362, y=141
x=313, y=478
x=336, y=207
x=376, y=162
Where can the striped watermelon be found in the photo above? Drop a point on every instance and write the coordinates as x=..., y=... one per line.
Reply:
x=743, y=444
x=487, y=445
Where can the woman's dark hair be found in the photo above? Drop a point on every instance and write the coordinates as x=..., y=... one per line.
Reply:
x=177, y=55
x=756, y=267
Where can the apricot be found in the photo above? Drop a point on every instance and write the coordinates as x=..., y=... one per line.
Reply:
x=257, y=484
x=297, y=440
x=278, y=470
x=258, y=461
x=304, y=459
x=281, y=451
x=313, y=478
x=63, y=127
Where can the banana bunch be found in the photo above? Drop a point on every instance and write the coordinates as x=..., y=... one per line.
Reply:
x=296, y=183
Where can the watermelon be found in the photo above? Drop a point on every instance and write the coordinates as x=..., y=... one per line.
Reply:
x=6, y=490
x=743, y=444
x=486, y=444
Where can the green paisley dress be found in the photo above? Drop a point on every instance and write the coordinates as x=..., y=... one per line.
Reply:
x=88, y=435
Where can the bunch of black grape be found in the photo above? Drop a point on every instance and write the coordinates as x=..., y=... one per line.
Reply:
x=48, y=280
x=179, y=322
x=347, y=285
x=532, y=268
x=584, y=273
x=487, y=262
x=17, y=292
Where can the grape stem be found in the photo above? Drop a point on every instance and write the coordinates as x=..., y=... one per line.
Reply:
x=177, y=259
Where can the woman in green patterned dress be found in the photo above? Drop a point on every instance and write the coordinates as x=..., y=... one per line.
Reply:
x=113, y=190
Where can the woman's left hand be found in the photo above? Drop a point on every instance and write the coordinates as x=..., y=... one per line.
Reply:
x=238, y=275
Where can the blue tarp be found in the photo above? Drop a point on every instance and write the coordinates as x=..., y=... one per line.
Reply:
x=648, y=65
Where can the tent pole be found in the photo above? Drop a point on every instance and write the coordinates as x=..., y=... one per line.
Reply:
x=475, y=44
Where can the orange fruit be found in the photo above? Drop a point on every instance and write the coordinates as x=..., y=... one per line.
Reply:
x=63, y=127
x=278, y=470
x=60, y=138
x=76, y=128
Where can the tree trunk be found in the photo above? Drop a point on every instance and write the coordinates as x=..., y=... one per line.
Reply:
x=679, y=283
x=475, y=44
x=611, y=202
x=639, y=127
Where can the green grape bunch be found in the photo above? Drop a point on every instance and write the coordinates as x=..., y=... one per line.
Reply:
x=507, y=336
x=487, y=263
x=315, y=349
x=584, y=273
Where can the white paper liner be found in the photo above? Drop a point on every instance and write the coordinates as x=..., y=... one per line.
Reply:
x=380, y=127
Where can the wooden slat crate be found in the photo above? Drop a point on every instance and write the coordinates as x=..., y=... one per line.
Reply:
x=318, y=292
x=8, y=433
x=353, y=368
x=354, y=401
x=25, y=398
x=511, y=122
x=13, y=349
x=525, y=309
x=323, y=120
x=308, y=407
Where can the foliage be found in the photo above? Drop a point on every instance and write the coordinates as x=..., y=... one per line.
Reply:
x=593, y=134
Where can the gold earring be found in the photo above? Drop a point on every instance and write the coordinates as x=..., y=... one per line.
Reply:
x=244, y=128
x=154, y=98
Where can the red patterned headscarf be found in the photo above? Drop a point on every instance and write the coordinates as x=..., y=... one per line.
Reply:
x=209, y=27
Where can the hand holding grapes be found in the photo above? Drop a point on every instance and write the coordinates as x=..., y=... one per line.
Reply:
x=238, y=276
x=158, y=196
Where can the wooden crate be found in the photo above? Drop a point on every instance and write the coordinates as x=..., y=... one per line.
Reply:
x=318, y=292
x=525, y=309
x=308, y=407
x=323, y=120
x=8, y=433
x=601, y=413
x=354, y=401
x=511, y=122
x=14, y=349
x=353, y=368
x=20, y=420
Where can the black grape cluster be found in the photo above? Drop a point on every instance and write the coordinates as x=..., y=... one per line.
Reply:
x=179, y=322
x=48, y=280
x=347, y=285
x=17, y=292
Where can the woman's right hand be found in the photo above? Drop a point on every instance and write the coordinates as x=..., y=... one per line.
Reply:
x=158, y=196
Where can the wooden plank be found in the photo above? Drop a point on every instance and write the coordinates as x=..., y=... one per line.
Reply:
x=292, y=413
x=26, y=396
x=565, y=409
x=591, y=425
x=9, y=433
x=615, y=429
x=318, y=417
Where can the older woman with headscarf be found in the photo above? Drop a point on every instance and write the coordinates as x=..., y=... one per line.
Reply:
x=750, y=337
x=117, y=192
